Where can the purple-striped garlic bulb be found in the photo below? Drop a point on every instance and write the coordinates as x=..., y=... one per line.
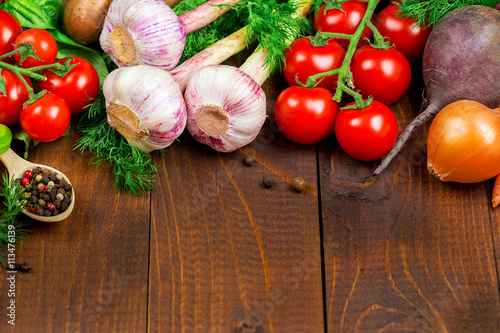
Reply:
x=145, y=105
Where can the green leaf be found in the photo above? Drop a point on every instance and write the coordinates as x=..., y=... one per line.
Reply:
x=92, y=56
x=42, y=14
x=47, y=14
x=28, y=141
x=3, y=90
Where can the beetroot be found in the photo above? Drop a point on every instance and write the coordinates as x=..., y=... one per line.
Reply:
x=461, y=61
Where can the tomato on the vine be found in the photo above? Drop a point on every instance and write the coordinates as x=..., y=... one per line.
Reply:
x=11, y=103
x=47, y=119
x=44, y=46
x=302, y=59
x=366, y=134
x=305, y=115
x=10, y=28
x=384, y=74
x=344, y=21
x=406, y=35
x=77, y=87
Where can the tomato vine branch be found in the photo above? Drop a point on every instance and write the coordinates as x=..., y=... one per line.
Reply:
x=26, y=50
x=344, y=84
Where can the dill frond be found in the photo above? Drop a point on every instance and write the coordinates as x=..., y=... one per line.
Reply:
x=132, y=168
x=14, y=204
x=428, y=13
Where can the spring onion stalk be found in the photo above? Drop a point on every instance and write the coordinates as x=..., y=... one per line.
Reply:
x=226, y=106
x=148, y=32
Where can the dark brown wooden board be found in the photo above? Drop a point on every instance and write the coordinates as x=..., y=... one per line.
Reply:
x=90, y=272
x=405, y=252
x=212, y=250
x=227, y=254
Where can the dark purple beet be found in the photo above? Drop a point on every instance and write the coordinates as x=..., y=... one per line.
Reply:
x=461, y=61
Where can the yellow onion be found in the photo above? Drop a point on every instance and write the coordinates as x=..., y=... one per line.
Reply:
x=463, y=143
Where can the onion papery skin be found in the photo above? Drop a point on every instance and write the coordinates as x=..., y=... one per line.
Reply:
x=154, y=96
x=232, y=90
x=157, y=34
x=463, y=143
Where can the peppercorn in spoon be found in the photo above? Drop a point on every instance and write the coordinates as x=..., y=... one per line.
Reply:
x=19, y=168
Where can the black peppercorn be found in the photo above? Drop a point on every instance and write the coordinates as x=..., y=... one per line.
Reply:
x=298, y=184
x=268, y=182
x=45, y=192
x=249, y=161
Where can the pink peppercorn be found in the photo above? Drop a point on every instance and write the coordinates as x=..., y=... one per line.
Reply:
x=28, y=173
x=25, y=181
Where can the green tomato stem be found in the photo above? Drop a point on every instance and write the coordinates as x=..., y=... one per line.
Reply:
x=24, y=71
x=6, y=55
x=344, y=69
x=379, y=41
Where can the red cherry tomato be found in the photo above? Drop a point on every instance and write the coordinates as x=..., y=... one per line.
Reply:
x=403, y=32
x=47, y=119
x=11, y=103
x=10, y=28
x=44, y=45
x=305, y=115
x=303, y=59
x=383, y=74
x=77, y=87
x=367, y=134
x=344, y=22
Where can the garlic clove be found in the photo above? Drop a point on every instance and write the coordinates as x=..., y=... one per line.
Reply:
x=145, y=105
x=145, y=32
x=226, y=108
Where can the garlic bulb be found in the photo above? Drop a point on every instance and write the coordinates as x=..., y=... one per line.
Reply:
x=145, y=105
x=226, y=107
x=145, y=32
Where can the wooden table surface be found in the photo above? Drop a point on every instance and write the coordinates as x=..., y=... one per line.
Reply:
x=212, y=250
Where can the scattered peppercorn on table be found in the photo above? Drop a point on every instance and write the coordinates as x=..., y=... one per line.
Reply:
x=226, y=244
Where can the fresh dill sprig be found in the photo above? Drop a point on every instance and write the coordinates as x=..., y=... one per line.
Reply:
x=316, y=5
x=265, y=20
x=14, y=204
x=200, y=39
x=428, y=13
x=272, y=24
x=133, y=168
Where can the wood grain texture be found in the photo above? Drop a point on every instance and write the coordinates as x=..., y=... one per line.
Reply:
x=89, y=272
x=227, y=254
x=405, y=252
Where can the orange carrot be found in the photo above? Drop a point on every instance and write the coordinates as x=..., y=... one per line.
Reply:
x=495, y=197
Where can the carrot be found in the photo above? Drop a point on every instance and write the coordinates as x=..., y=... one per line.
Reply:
x=495, y=197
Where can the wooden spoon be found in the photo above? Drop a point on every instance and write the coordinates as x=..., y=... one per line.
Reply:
x=16, y=166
